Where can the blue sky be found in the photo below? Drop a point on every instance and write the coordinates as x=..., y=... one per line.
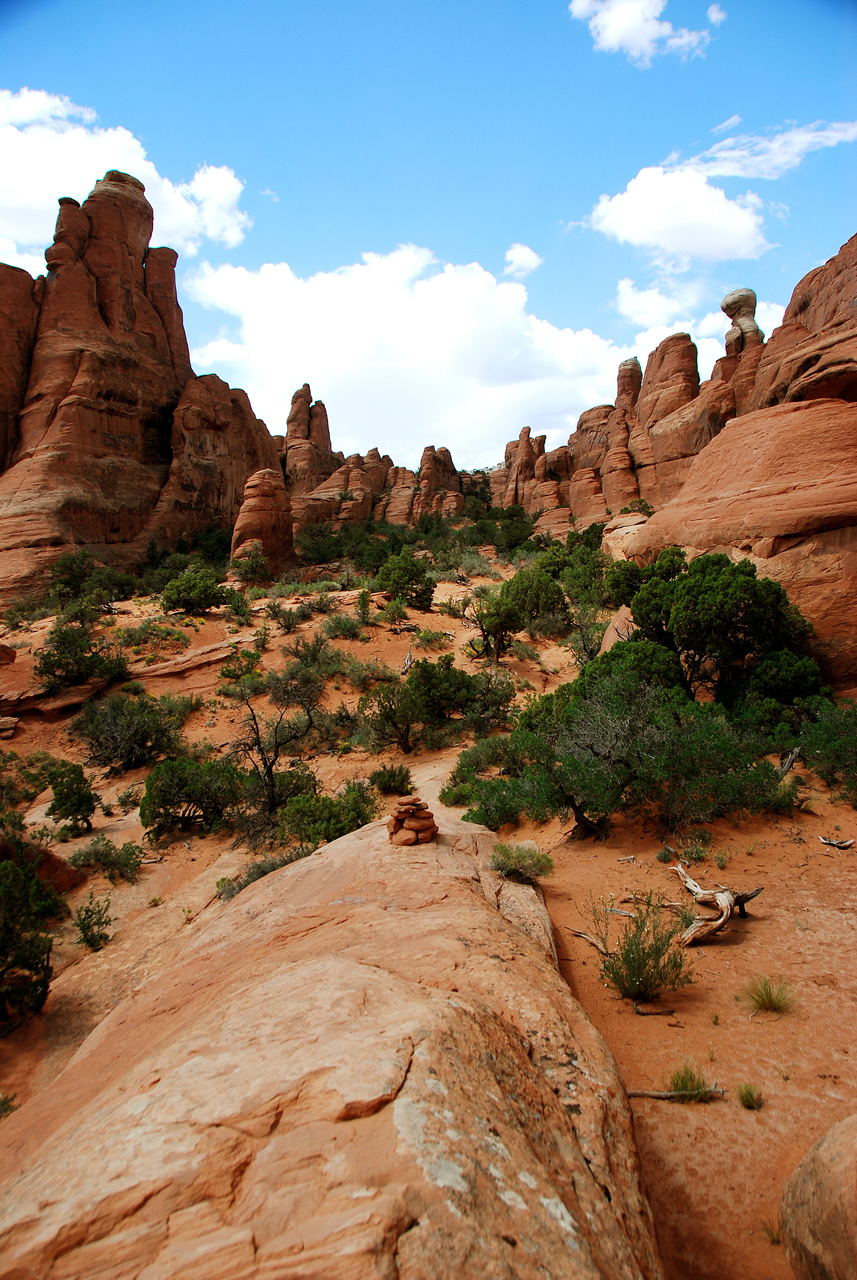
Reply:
x=452, y=219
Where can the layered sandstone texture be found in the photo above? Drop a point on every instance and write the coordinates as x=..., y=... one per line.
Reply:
x=778, y=485
x=819, y=1212
x=107, y=439
x=365, y=1066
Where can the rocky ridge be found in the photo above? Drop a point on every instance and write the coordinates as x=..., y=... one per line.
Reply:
x=366, y=1065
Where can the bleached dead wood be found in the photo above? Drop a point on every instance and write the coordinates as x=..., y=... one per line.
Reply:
x=673, y=1095
x=722, y=900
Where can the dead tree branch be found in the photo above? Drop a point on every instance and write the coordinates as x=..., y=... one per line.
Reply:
x=722, y=900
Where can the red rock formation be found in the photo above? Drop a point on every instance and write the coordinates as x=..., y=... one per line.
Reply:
x=814, y=353
x=112, y=441
x=265, y=518
x=366, y=1065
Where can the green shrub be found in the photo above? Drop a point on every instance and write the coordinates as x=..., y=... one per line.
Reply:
x=237, y=607
x=364, y=608
x=312, y=819
x=252, y=565
x=363, y=675
x=101, y=854
x=286, y=619
x=395, y=611
x=92, y=921
x=73, y=800
x=127, y=732
x=153, y=635
x=830, y=747
x=260, y=867
x=185, y=793
x=340, y=626
x=71, y=656
x=521, y=862
x=195, y=591
x=646, y=960
x=26, y=905
x=428, y=639
x=392, y=779
x=406, y=577
x=242, y=669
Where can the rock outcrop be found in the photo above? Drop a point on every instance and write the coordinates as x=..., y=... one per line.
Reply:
x=819, y=1212
x=108, y=439
x=265, y=519
x=776, y=484
x=361, y=1067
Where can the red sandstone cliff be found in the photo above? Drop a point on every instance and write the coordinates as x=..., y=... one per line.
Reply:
x=107, y=438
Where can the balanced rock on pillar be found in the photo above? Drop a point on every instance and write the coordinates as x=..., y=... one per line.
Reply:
x=411, y=822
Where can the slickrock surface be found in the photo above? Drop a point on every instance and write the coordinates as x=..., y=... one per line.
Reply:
x=820, y=1208
x=108, y=438
x=358, y=1068
x=411, y=822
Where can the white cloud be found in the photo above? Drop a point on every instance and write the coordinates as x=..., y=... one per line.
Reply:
x=759, y=156
x=635, y=27
x=49, y=146
x=405, y=351
x=715, y=15
x=677, y=215
x=649, y=307
x=726, y=125
x=521, y=261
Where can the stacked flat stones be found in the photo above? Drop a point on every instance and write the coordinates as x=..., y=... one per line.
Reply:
x=411, y=822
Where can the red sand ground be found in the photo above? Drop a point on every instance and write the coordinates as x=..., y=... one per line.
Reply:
x=715, y=1172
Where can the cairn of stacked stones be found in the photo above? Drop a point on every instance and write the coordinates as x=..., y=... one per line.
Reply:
x=411, y=822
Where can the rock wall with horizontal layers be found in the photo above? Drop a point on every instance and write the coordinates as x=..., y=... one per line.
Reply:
x=107, y=439
x=367, y=1065
x=778, y=485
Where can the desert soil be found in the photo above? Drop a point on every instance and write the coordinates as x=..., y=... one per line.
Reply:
x=714, y=1172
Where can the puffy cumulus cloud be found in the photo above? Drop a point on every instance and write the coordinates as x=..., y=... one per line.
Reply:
x=652, y=306
x=715, y=15
x=49, y=146
x=677, y=214
x=635, y=27
x=521, y=261
x=405, y=351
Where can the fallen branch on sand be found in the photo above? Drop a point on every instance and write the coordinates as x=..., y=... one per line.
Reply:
x=724, y=901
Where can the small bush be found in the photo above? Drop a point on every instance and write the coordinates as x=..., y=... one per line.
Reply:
x=74, y=800
x=153, y=635
x=521, y=862
x=71, y=655
x=286, y=619
x=258, y=869
x=186, y=793
x=130, y=731
x=129, y=798
x=392, y=780
x=341, y=626
x=750, y=1097
x=428, y=639
x=195, y=591
x=690, y=1084
x=768, y=996
x=395, y=611
x=645, y=961
x=101, y=854
x=92, y=921
x=252, y=565
x=237, y=607
x=313, y=819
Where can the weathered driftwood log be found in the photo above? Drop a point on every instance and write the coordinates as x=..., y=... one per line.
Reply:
x=724, y=901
